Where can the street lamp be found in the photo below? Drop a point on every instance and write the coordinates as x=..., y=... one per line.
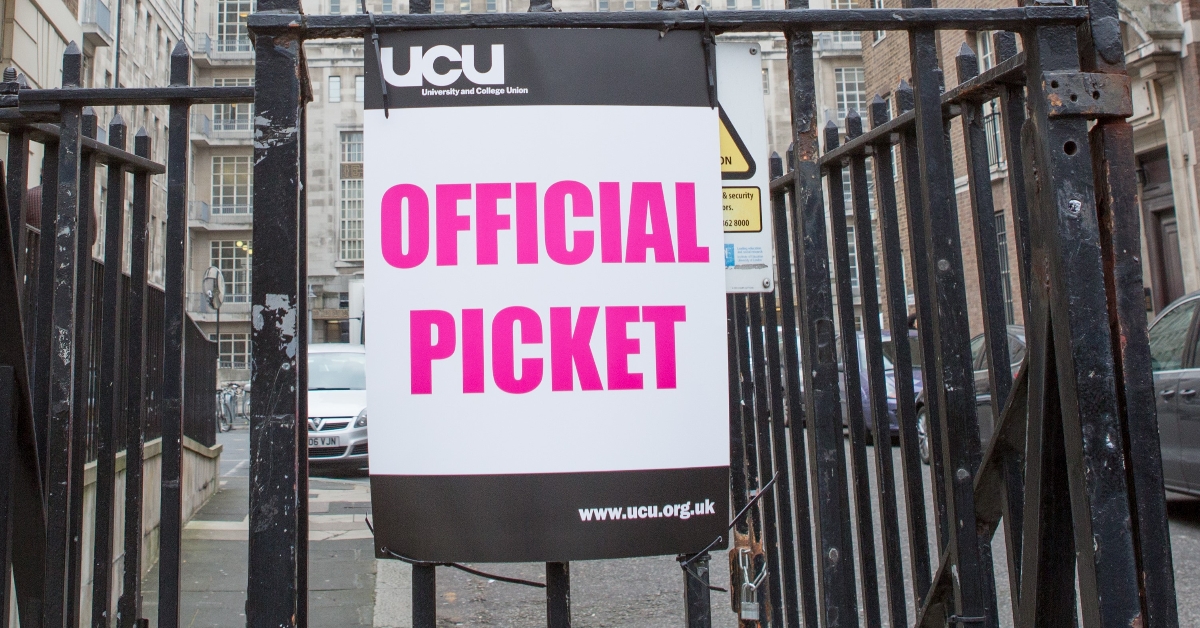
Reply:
x=214, y=292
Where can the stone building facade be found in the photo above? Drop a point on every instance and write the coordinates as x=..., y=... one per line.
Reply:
x=1162, y=60
x=220, y=216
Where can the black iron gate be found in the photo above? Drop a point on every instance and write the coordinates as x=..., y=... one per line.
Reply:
x=1071, y=470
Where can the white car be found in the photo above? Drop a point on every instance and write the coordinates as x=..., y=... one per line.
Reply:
x=337, y=406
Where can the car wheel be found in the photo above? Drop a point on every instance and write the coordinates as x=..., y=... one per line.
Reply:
x=923, y=434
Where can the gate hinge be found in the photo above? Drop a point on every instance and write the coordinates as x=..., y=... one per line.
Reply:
x=1087, y=94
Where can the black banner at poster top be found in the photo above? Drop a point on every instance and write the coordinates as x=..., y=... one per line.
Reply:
x=493, y=67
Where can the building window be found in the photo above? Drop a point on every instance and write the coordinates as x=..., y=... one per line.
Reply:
x=335, y=7
x=360, y=89
x=852, y=247
x=878, y=35
x=851, y=87
x=387, y=6
x=232, y=183
x=628, y=5
x=233, y=117
x=350, y=232
x=755, y=4
x=1005, y=275
x=231, y=25
x=766, y=81
x=335, y=89
x=352, y=148
x=845, y=37
x=491, y=6
x=993, y=130
x=602, y=5
x=439, y=6
x=984, y=51
x=234, y=350
x=464, y=6
x=233, y=258
x=731, y=5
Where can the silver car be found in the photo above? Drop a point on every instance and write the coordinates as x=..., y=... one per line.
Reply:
x=337, y=406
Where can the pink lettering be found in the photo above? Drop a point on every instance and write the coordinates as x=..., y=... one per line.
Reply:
x=527, y=223
x=472, y=350
x=425, y=350
x=648, y=225
x=571, y=349
x=450, y=222
x=610, y=223
x=503, y=350
x=393, y=226
x=619, y=346
x=664, y=318
x=556, y=222
x=685, y=218
x=489, y=221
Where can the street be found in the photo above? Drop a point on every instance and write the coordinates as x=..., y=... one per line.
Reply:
x=349, y=587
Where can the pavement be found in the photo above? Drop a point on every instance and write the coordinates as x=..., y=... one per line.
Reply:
x=349, y=587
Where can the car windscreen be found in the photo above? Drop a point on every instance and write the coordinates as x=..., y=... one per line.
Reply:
x=337, y=371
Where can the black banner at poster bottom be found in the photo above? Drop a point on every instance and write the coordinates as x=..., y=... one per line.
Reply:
x=549, y=517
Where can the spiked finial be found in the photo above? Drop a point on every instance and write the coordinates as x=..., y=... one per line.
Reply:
x=116, y=132
x=967, y=63
x=1005, y=45
x=831, y=136
x=853, y=124
x=141, y=143
x=72, y=73
x=89, y=123
x=879, y=111
x=181, y=64
x=905, y=99
x=791, y=157
x=776, y=165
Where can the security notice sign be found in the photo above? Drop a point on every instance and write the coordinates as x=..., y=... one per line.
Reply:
x=547, y=367
x=749, y=245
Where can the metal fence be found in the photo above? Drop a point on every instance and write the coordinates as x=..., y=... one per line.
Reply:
x=1071, y=473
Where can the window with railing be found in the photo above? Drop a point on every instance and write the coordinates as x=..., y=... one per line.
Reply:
x=1005, y=274
x=232, y=184
x=232, y=35
x=234, y=116
x=993, y=127
x=850, y=88
x=234, y=350
x=350, y=231
x=232, y=257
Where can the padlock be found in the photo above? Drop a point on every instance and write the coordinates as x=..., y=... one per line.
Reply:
x=748, y=609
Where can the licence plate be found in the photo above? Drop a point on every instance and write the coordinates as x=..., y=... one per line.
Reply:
x=322, y=441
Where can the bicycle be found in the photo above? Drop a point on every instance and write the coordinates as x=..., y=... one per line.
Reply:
x=227, y=406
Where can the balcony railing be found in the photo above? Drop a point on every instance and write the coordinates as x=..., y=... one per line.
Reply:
x=199, y=210
x=97, y=13
x=838, y=41
x=224, y=47
x=223, y=127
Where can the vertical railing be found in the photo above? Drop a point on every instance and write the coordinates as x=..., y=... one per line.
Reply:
x=274, y=596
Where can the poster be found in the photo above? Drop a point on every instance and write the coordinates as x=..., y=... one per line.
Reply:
x=745, y=181
x=546, y=370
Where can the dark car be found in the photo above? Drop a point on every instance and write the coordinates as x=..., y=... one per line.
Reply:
x=983, y=389
x=1175, y=360
x=889, y=375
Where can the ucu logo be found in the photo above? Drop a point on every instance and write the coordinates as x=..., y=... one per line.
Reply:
x=420, y=67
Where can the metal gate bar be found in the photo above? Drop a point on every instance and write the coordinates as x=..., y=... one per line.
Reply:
x=1079, y=414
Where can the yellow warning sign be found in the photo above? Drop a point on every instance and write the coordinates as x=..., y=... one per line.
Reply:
x=742, y=209
x=736, y=162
